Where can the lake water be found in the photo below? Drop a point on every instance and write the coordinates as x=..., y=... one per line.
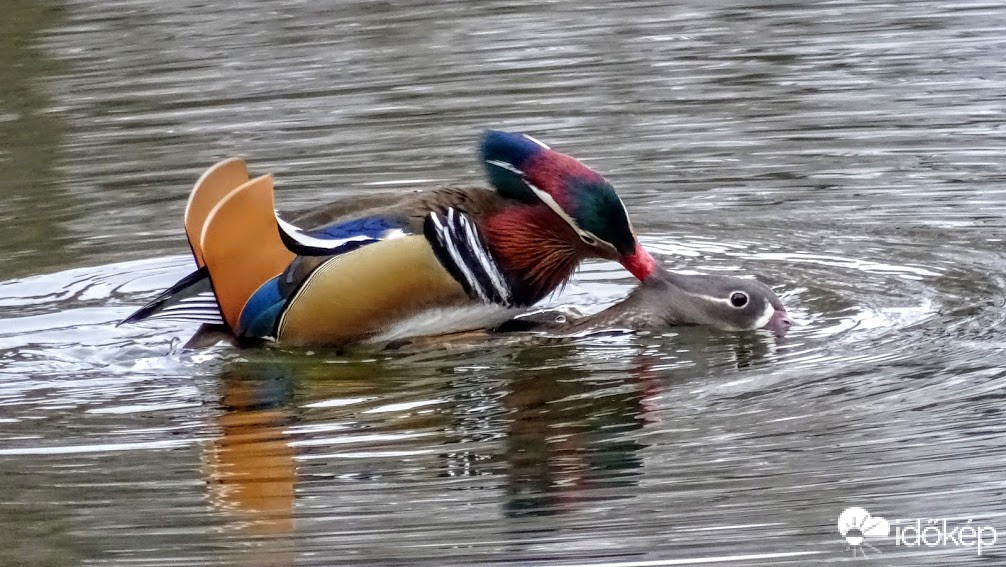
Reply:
x=850, y=153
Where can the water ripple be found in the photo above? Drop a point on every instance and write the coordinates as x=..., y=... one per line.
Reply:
x=845, y=153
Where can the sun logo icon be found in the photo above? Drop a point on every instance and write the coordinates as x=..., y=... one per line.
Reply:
x=856, y=524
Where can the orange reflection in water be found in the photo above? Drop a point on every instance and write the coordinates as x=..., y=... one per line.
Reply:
x=250, y=468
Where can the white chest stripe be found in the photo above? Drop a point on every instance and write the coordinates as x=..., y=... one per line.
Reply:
x=488, y=265
x=459, y=238
x=452, y=249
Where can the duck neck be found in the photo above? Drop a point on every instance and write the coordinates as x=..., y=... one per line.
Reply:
x=535, y=249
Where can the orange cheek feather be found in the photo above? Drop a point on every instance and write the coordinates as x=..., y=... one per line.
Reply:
x=534, y=246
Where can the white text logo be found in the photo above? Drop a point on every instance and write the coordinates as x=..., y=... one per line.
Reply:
x=857, y=526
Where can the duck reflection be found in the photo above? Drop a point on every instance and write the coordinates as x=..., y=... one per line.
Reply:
x=708, y=353
x=554, y=424
x=250, y=466
x=569, y=437
x=566, y=437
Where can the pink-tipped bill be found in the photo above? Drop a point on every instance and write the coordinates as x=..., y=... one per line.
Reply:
x=779, y=323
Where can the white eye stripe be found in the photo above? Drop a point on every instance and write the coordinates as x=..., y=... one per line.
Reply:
x=542, y=195
x=550, y=202
x=729, y=300
x=766, y=315
x=712, y=299
x=726, y=302
x=505, y=165
x=537, y=141
x=588, y=237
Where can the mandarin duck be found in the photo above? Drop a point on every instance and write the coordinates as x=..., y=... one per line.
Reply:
x=667, y=299
x=380, y=268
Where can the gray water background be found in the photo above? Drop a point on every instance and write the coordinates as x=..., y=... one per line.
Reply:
x=848, y=153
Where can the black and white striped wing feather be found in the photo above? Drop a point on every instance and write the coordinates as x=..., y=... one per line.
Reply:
x=200, y=308
x=191, y=299
x=459, y=248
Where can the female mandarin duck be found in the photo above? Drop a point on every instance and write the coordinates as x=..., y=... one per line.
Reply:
x=667, y=299
x=448, y=260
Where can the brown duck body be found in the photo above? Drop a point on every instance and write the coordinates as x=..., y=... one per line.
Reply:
x=411, y=211
x=367, y=293
x=477, y=201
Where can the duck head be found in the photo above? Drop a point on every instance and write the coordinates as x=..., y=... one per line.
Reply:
x=722, y=302
x=522, y=168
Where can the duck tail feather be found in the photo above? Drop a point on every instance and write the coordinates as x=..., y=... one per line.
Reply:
x=190, y=299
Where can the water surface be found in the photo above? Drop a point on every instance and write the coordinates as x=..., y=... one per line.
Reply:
x=848, y=153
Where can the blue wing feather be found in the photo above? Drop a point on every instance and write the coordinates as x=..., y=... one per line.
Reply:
x=259, y=315
x=374, y=227
x=339, y=238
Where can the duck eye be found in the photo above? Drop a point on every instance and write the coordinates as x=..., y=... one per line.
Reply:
x=738, y=299
x=588, y=240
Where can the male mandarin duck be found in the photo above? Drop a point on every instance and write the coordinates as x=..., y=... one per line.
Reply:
x=380, y=268
x=667, y=299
